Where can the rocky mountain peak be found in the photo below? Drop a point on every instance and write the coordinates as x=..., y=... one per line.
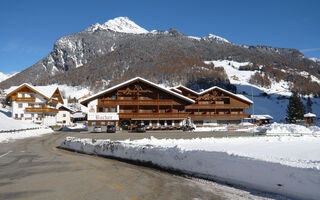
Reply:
x=216, y=38
x=119, y=24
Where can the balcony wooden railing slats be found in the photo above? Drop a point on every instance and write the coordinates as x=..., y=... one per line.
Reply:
x=140, y=102
x=218, y=116
x=25, y=99
x=42, y=110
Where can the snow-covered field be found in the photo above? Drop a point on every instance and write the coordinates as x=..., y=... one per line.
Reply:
x=285, y=165
x=11, y=136
x=11, y=129
x=280, y=129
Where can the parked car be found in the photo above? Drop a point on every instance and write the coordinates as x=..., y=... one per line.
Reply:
x=111, y=129
x=97, y=129
x=141, y=128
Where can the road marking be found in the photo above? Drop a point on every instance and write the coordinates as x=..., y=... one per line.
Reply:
x=3, y=155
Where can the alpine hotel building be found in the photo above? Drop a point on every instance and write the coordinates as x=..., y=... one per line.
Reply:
x=139, y=100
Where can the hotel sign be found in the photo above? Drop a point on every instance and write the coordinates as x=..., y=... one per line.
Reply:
x=103, y=116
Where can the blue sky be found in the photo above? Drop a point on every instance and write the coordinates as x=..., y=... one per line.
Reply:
x=28, y=29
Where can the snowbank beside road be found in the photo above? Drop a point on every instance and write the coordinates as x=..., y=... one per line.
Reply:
x=11, y=129
x=11, y=136
x=252, y=162
x=279, y=128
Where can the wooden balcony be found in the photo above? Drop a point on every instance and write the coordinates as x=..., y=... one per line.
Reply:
x=25, y=99
x=53, y=101
x=219, y=116
x=45, y=110
x=215, y=106
x=154, y=115
x=133, y=102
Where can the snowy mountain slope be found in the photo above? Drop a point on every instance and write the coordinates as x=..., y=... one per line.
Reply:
x=216, y=38
x=315, y=59
x=5, y=76
x=119, y=24
x=127, y=50
x=274, y=103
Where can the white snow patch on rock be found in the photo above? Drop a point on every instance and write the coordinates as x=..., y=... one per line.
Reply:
x=119, y=24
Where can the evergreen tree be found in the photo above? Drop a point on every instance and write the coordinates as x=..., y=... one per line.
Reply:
x=295, y=109
x=309, y=105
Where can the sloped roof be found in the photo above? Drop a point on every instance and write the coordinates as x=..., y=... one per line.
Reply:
x=240, y=96
x=46, y=91
x=65, y=106
x=131, y=81
x=309, y=115
x=260, y=117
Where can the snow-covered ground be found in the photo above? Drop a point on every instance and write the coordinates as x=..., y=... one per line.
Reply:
x=11, y=136
x=270, y=129
x=285, y=165
x=11, y=129
x=280, y=129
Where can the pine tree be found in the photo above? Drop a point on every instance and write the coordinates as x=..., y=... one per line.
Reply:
x=309, y=105
x=295, y=109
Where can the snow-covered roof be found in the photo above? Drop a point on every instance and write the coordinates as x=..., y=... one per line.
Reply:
x=65, y=106
x=133, y=80
x=216, y=87
x=309, y=115
x=259, y=117
x=46, y=91
x=176, y=90
x=78, y=115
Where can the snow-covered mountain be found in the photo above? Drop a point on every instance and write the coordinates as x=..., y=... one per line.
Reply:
x=119, y=49
x=5, y=76
x=317, y=60
x=215, y=37
x=120, y=24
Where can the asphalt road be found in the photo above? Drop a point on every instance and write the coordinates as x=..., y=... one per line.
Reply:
x=34, y=168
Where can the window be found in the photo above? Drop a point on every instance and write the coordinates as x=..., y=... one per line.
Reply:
x=21, y=115
x=32, y=115
x=114, y=97
x=20, y=105
x=107, y=109
x=103, y=123
x=113, y=109
x=161, y=122
x=169, y=122
x=64, y=121
x=93, y=123
x=100, y=109
x=64, y=115
x=16, y=116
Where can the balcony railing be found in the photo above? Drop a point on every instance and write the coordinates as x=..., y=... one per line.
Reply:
x=218, y=116
x=153, y=115
x=159, y=102
x=215, y=106
x=46, y=110
x=25, y=99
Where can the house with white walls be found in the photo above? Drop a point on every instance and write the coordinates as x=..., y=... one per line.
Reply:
x=64, y=115
x=35, y=103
